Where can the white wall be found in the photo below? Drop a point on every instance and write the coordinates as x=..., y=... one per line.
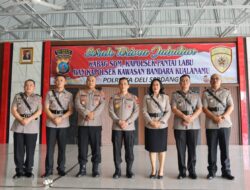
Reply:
x=22, y=72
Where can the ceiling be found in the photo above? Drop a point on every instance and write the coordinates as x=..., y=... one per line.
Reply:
x=36, y=20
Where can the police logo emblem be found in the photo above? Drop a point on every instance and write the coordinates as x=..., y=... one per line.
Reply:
x=221, y=58
x=63, y=57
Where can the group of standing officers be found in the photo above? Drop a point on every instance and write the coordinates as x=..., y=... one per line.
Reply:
x=216, y=103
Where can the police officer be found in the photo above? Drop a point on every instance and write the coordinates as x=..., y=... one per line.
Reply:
x=217, y=106
x=89, y=105
x=156, y=111
x=124, y=110
x=186, y=105
x=26, y=108
x=58, y=108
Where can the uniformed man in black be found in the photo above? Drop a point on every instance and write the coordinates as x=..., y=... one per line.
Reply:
x=26, y=108
x=218, y=105
x=58, y=108
x=186, y=105
x=124, y=110
x=89, y=104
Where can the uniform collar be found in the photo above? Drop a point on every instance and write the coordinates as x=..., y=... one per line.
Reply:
x=213, y=90
x=33, y=94
x=122, y=95
x=188, y=92
x=64, y=91
x=91, y=91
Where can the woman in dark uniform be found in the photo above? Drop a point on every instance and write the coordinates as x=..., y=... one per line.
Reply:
x=156, y=111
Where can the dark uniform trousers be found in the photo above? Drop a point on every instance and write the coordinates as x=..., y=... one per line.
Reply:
x=186, y=138
x=54, y=135
x=89, y=135
x=117, y=138
x=221, y=136
x=24, y=143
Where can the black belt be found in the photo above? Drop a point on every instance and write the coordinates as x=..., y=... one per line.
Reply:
x=215, y=109
x=156, y=114
x=26, y=115
x=187, y=112
x=58, y=111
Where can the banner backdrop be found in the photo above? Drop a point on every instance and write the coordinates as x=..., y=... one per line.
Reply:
x=142, y=63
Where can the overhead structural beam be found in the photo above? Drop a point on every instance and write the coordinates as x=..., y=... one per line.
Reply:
x=178, y=14
x=82, y=19
x=153, y=18
x=188, y=13
x=129, y=9
x=217, y=18
x=65, y=19
x=197, y=18
x=38, y=19
x=97, y=27
x=125, y=17
x=26, y=33
x=233, y=12
x=239, y=19
x=100, y=20
x=3, y=32
x=8, y=11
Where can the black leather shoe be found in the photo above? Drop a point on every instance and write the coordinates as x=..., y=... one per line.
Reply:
x=80, y=174
x=18, y=175
x=193, y=176
x=29, y=174
x=46, y=174
x=181, y=176
x=61, y=173
x=82, y=171
x=130, y=174
x=228, y=176
x=95, y=172
x=117, y=174
x=210, y=176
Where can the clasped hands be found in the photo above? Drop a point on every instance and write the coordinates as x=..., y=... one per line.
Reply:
x=25, y=121
x=57, y=120
x=218, y=119
x=90, y=116
x=155, y=124
x=187, y=120
x=123, y=124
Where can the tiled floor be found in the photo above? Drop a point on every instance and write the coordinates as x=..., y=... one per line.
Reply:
x=240, y=164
